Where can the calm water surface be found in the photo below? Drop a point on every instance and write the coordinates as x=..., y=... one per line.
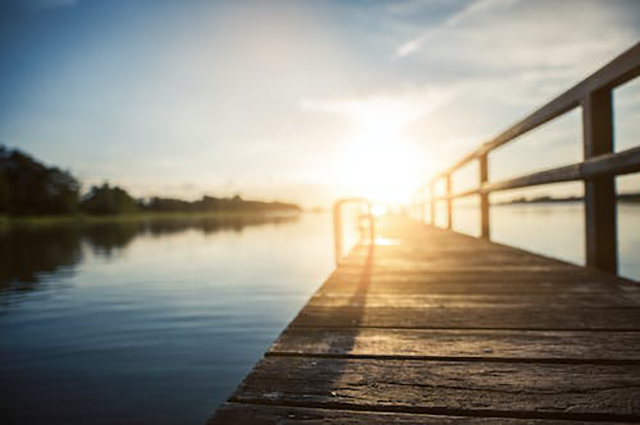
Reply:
x=144, y=323
x=556, y=230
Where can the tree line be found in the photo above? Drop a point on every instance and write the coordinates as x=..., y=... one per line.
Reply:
x=29, y=187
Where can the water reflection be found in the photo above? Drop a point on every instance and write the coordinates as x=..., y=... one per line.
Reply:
x=146, y=322
x=28, y=251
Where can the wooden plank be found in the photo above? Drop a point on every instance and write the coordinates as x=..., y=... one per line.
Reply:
x=395, y=300
x=459, y=268
x=471, y=275
x=247, y=414
x=413, y=287
x=400, y=266
x=447, y=252
x=468, y=281
x=434, y=327
x=449, y=261
x=551, y=391
x=561, y=346
x=547, y=318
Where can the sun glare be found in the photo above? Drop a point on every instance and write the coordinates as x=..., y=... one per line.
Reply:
x=379, y=210
x=379, y=163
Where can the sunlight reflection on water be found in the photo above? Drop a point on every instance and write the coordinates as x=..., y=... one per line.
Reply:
x=158, y=323
x=146, y=322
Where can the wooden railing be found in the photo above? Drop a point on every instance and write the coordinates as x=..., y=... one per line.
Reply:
x=366, y=224
x=598, y=170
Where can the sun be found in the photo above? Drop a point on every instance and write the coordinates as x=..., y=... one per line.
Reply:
x=378, y=162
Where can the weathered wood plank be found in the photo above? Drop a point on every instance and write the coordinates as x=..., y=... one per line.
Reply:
x=548, y=318
x=475, y=274
x=247, y=414
x=524, y=390
x=434, y=327
x=417, y=282
x=451, y=266
x=564, y=346
x=497, y=257
x=414, y=287
x=399, y=300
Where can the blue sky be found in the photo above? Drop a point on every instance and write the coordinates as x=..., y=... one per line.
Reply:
x=301, y=101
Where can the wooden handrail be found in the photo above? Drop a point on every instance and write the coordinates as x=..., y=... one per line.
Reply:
x=616, y=164
x=598, y=170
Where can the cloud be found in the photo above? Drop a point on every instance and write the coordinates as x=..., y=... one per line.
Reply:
x=397, y=107
x=212, y=91
x=479, y=7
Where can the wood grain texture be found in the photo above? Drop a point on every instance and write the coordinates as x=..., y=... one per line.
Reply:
x=533, y=346
x=435, y=386
x=493, y=317
x=247, y=414
x=424, y=300
x=429, y=326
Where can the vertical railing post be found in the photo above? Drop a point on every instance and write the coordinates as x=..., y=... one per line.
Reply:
x=447, y=188
x=337, y=231
x=484, y=197
x=600, y=192
x=432, y=202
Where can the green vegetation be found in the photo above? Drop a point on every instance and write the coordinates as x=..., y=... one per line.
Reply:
x=29, y=187
x=33, y=193
x=108, y=200
x=81, y=220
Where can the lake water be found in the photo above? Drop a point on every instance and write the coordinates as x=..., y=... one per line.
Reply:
x=556, y=230
x=158, y=322
x=146, y=323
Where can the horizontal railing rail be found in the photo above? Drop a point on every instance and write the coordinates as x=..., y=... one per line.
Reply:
x=365, y=220
x=598, y=169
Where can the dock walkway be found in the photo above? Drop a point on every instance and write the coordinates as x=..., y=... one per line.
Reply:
x=430, y=326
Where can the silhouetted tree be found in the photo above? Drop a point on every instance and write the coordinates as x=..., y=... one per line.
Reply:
x=108, y=200
x=209, y=203
x=29, y=187
x=4, y=193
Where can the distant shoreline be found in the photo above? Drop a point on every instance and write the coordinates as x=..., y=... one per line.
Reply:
x=88, y=219
x=627, y=198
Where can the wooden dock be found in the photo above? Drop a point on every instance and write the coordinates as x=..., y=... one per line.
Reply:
x=430, y=326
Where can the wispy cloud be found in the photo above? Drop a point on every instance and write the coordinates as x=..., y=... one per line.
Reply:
x=248, y=91
x=398, y=107
x=479, y=7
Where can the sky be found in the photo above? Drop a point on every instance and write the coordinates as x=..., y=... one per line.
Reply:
x=301, y=101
